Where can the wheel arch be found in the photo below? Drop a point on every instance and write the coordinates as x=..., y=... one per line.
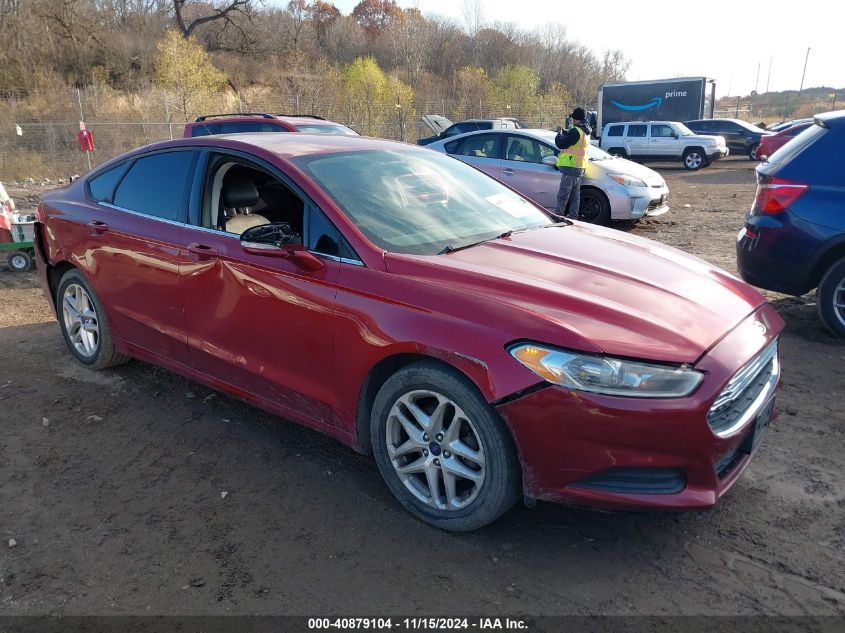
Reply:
x=831, y=255
x=55, y=272
x=473, y=369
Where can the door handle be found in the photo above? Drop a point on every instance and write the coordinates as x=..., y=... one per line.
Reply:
x=507, y=171
x=95, y=227
x=201, y=252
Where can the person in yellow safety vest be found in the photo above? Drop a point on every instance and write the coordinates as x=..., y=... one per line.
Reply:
x=572, y=162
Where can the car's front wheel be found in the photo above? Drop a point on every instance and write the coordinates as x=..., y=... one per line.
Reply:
x=82, y=319
x=694, y=159
x=831, y=298
x=595, y=207
x=752, y=151
x=442, y=449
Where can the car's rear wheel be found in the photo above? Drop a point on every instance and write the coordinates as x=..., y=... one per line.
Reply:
x=752, y=151
x=694, y=158
x=19, y=261
x=84, y=325
x=442, y=449
x=595, y=207
x=831, y=298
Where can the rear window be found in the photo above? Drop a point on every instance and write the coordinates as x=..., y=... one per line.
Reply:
x=615, y=130
x=101, y=187
x=156, y=185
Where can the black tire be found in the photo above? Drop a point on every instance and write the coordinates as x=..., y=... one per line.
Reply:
x=104, y=354
x=502, y=483
x=831, y=293
x=20, y=261
x=752, y=151
x=594, y=208
x=694, y=158
x=618, y=151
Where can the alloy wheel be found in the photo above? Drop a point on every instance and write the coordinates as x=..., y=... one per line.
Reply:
x=693, y=160
x=80, y=320
x=435, y=450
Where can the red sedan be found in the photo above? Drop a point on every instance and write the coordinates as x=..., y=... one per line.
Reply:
x=416, y=309
x=772, y=143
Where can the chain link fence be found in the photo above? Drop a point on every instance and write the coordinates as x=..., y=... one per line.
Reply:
x=38, y=128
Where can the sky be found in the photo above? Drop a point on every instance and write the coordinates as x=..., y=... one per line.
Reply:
x=724, y=40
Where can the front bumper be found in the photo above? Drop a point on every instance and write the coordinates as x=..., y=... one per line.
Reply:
x=567, y=440
x=633, y=203
x=718, y=153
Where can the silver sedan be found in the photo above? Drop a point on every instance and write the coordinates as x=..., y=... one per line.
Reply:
x=612, y=189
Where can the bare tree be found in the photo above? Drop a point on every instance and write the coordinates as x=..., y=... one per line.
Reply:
x=222, y=12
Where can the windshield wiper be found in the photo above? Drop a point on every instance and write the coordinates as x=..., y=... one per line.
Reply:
x=449, y=248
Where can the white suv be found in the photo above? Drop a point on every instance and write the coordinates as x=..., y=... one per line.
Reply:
x=662, y=141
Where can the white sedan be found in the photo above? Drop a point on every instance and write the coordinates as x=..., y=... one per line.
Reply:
x=612, y=189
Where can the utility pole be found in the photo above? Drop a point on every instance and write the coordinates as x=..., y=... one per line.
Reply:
x=805, y=71
x=757, y=81
x=769, y=78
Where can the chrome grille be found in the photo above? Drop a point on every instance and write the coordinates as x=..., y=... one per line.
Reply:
x=746, y=392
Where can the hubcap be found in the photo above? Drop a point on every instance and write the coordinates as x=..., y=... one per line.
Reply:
x=446, y=472
x=694, y=160
x=18, y=261
x=80, y=320
x=839, y=302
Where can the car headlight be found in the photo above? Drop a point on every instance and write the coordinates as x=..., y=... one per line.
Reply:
x=609, y=376
x=628, y=181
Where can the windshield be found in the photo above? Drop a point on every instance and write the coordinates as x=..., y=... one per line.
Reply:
x=326, y=129
x=682, y=129
x=419, y=202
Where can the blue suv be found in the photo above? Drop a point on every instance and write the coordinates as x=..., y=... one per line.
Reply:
x=794, y=237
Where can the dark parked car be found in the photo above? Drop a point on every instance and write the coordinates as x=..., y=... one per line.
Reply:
x=444, y=128
x=740, y=136
x=794, y=237
x=262, y=122
x=415, y=308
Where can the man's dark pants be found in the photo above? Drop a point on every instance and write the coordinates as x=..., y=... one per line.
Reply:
x=569, y=194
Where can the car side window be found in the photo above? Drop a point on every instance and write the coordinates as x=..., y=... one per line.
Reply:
x=452, y=147
x=700, y=126
x=101, y=187
x=522, y=149
x=238, y=195
x=637, y=131
x=615, y=130
x=662, y=131
x=269, y=127
x=237, y=128
x=158, y=185
x=204, y=129
x=481, y=146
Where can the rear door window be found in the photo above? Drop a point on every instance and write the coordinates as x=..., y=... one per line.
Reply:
x=158, y=185
x=637, y=131
x=481, y=146
x=101, y=187
x=204, y=129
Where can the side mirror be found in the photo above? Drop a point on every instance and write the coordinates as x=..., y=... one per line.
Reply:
x=279, y=240
x=550, y=161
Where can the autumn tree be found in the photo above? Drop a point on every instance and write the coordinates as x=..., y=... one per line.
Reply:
x=473, y=85
x=183, y=68
x=375, y=16
x=515, y=90
x=322, y=15
x=365, y=85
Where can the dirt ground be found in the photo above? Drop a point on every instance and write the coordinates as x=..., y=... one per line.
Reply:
x=112, y=485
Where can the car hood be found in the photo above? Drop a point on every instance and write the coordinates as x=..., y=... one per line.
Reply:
x=594, y=288
x=436, y=123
